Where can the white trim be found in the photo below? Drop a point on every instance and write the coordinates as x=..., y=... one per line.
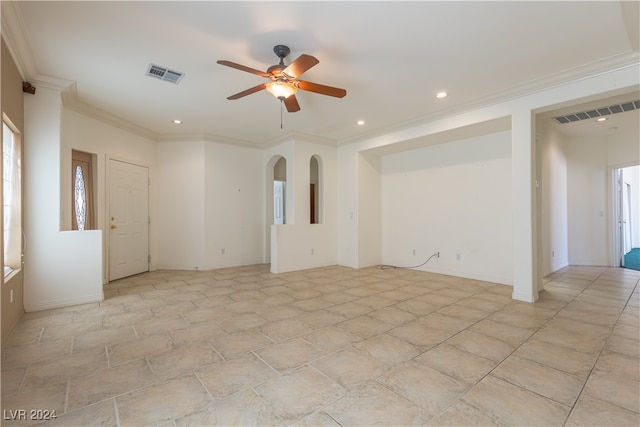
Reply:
x=70, y=101
x=572, y=76
x=300, y=136
x=524, y=297
x=64, y=302
x=16, y=40
x=613, y=200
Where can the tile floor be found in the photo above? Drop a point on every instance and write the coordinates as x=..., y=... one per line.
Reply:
x=332, y=346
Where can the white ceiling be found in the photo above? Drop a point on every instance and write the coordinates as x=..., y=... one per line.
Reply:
x=391, y=57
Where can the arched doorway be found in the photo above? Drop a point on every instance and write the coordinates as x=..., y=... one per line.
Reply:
x=276, y=180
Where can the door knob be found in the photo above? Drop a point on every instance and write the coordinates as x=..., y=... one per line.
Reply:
x=113, y=226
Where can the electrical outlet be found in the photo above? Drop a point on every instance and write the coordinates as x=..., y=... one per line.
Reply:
x=414, y=252
x=457, y=257
x=222, y=251
x=437, y=254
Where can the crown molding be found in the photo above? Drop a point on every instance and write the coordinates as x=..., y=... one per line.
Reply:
x=630, y=14
x=51, y=82
x=70, y=100
x=16, y=39
x=300, y=136
x=593, y=69
x=206, y=137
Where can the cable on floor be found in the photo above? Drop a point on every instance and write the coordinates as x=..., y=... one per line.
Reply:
x=389, y=267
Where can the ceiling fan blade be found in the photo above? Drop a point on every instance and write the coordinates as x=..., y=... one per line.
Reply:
x=300, y=65
x=292, y=104
x=321, y=89
x=248, y=91
x=243, y=68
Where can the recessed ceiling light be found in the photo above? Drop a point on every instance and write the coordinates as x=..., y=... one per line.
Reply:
x=441, y=95
x=601, y=119
x=360, y=122
x=176, y=122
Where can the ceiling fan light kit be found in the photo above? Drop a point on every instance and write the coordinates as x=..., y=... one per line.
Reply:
x=284, y=79
x=281, y=89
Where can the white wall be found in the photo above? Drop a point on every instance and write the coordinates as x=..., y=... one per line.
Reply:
x=233, y=206
x=209, y=198
x=452, y=198
x=553, y=187
x=61, y=267
x=370, y=204
x=181, y=205
x=587, y=201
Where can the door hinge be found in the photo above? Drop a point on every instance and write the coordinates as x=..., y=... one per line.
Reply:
x=149, y=220
x=149, y=258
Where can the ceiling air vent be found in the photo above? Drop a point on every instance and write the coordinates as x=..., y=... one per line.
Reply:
x=597, y=112
x=165, y=74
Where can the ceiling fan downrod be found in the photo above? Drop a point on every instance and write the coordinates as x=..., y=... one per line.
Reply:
x=281, y=98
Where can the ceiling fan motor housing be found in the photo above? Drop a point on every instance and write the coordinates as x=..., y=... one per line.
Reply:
x=276, y=70
x=282, y=51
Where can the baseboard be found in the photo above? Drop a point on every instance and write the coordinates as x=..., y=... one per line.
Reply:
x=525, y=297
x=299, y=267
x=66, y=302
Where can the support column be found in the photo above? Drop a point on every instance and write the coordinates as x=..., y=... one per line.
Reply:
x=525, y=265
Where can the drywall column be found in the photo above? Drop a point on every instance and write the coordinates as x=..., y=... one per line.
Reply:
x=525, y=266
x=369, y=209
x=347, y=201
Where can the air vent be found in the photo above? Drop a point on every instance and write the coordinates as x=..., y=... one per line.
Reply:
x=598, y=112
x=165, y=74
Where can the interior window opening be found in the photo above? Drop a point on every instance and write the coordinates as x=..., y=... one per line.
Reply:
x=314, y=191
x=279, y=190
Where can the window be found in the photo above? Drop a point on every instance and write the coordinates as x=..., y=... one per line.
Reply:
x=82, y=190
x=11, y=198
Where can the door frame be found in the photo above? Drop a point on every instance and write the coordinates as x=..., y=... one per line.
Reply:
x=616, y=230
x=106, y=231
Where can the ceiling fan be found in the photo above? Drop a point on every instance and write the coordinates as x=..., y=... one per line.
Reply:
x=284, y=82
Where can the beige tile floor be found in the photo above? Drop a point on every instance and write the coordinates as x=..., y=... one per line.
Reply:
x=332, y=346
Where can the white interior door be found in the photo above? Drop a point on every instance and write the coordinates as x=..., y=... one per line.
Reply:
x=128, y=219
